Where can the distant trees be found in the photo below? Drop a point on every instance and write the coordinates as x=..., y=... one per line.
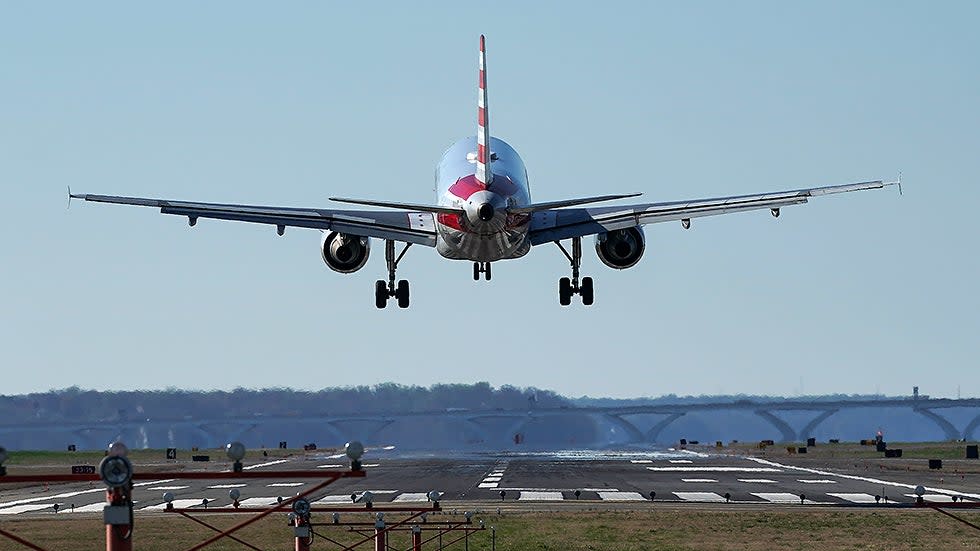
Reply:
x=75, y=404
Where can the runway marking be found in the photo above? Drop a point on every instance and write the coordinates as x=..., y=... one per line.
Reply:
x=284, y=484
x=78, y=493
x=90, y=508
x=862, y=478
x=641, y=461
x=168, y=488
x=540, y=496
x=407, y=496
x=698, y=480
x=492, y=479
x=266, y=464
x=17, y=509
x=621, y=496
x=855, y=498
x=939, y=498
x=680, y=461
x=715, y=469
x=782, y=498
x=757, y=480
x=486, y=485
x=817, y=481
x=226, y=486
x=367, y=465
x=253, y=502
x=334, y=499
x=560, y=490
x=330, y=466
x=178, y=504
x=700, y=496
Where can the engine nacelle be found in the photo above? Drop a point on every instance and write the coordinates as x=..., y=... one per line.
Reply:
x=620, y=249
x=344, y=253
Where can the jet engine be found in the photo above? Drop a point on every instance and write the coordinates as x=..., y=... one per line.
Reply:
x=344, y=253
x=620, y=249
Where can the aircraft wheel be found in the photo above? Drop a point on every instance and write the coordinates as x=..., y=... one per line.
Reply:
x=564, y=291
x=402, y=293
x=587, y=291
x=476, y=271
x=488, y=273
x=380, y=294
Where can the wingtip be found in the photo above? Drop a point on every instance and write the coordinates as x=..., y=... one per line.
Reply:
x=483, y=43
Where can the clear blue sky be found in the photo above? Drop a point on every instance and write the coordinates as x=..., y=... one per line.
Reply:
x=287, y=104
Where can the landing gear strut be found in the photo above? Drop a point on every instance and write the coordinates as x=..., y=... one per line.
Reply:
x=385, y=290
x=481, y=268
x=568, y=287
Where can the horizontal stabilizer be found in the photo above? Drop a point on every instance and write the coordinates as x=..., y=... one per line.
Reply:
x=568, y=203
x=393, y=205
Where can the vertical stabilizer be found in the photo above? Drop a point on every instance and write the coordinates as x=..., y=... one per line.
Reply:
x=484, y=174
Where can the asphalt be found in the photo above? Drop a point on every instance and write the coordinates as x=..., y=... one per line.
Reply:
x=533, y=481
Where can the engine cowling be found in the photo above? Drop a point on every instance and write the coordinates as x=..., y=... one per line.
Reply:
x=620, y=249
x=344, y=253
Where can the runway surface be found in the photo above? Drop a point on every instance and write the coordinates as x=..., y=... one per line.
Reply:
x=678, y=477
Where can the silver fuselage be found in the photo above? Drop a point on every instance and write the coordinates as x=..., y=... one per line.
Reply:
x=470, y=236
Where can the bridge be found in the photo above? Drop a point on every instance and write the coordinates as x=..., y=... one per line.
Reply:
x=474, y=426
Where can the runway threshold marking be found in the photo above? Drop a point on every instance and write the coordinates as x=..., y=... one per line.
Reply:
x=334, y=499
x=855, y=498
x=718, y=469
x=284, y=484
x=64, y=495
x=700, y=496
x=757, y=480
x=698, y=480
x=412, y=496
x=938, y=498
x=17, y=509
x=621, y=496
x=541, y=496
x=779, y=497
x=261, y=501
x=818, y=481
x=680, y=461
x=168, y=488
x=178, y=503
x=226, y=486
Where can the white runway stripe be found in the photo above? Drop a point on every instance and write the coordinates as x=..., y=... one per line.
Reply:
x=487, y=485
x=17, y=509
x=421, y=496
x=715, y=469
x=284, y=484
x=698, y=480
x=263, y=502
x=855, y=498
x=700, y=496
x=621, y=496
x=817, y=481
x=680, y=461
x=168, y=488
x=938, y=498
x=777, y=497
x=178, y=504
x=757, y=480
x=541, y=496
x=226, y=486
x=90, y=508
x=334, y=499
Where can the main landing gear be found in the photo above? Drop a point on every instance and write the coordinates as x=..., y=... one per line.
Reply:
x=568, y=287
x=386, y=290
x=481, y=268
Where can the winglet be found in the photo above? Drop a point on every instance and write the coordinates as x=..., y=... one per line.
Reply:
x=484, y=173
x=899, y=182
x=69, y=198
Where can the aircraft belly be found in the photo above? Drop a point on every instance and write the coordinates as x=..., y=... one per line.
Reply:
x=460, y=245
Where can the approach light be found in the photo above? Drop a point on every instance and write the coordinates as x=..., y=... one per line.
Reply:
x=3, y=457
x=116, y=471
x=379, y=516
x=425, y=517
x=920, y=490
x=118, y=449
x=301, y=507
x=366, y=497
x=336, y=518
x=168, y=497
x=354, y=450
x=468, y=515
x=234, y=494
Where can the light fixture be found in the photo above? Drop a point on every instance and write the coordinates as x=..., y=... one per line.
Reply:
x=116, y=471
x=236, y=452
x=354, y=450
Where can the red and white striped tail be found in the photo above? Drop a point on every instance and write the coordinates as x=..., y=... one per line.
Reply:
x=484, y=174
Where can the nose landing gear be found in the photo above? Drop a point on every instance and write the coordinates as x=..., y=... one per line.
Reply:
x=568, y=287
x=385, y=290
x=481, y=268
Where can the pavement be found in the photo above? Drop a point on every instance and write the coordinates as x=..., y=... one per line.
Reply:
x=631, y=479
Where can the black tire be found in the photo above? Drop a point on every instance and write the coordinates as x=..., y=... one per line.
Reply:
x=488, y=273
x=380, y=294
x=476, y=271
x=587, y=291
x=401, y=293
x=564, y=291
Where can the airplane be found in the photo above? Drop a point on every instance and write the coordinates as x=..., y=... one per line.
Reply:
x=484, y=214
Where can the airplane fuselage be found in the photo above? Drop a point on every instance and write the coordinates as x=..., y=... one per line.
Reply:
x=485, y=232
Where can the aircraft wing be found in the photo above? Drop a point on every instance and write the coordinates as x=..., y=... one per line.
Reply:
x=406, y=226
x=558, y=224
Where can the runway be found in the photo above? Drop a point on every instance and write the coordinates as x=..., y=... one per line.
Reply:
x=563, y=479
